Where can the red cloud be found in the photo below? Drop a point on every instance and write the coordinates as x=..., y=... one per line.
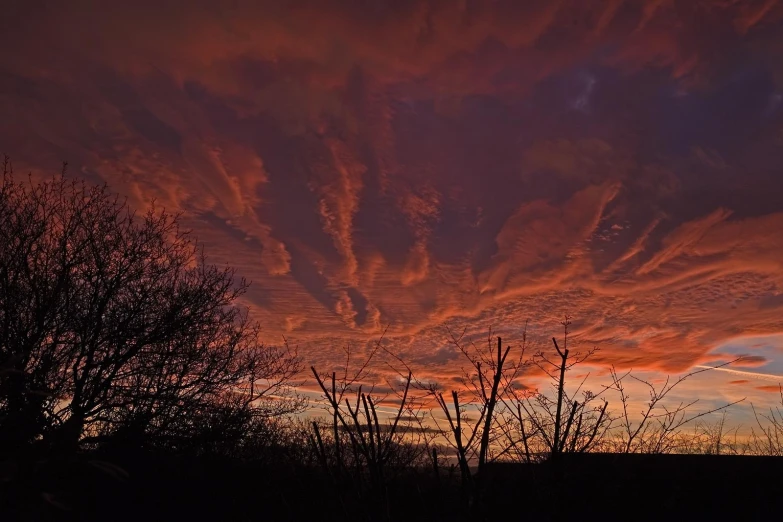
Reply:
x=436, y=165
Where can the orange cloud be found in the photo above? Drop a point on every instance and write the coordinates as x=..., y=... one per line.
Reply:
x=339, y=201
x=437, y=165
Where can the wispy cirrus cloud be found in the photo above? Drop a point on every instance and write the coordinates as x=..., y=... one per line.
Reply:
x=434, y=165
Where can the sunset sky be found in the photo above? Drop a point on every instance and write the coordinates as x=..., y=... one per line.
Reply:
x=431, y=165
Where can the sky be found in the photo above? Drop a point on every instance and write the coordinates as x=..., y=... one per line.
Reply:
x=423, y=167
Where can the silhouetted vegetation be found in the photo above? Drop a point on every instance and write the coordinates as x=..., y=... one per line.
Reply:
x=133, y=384
x=115, y=331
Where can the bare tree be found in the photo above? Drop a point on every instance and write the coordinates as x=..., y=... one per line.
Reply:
x=485, y=384
x=565, y=421
x=357, y=440
x=111, y=320
x=659, y=427
x=574, y=419
x=768, y=440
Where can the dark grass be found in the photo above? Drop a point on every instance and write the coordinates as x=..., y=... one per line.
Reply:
x=578, y=487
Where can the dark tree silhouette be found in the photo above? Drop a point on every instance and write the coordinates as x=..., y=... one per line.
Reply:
x=490, y=378
x=564, y=422
x=114, y=324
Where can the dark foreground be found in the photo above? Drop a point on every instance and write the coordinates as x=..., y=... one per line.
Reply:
x=581, y=487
